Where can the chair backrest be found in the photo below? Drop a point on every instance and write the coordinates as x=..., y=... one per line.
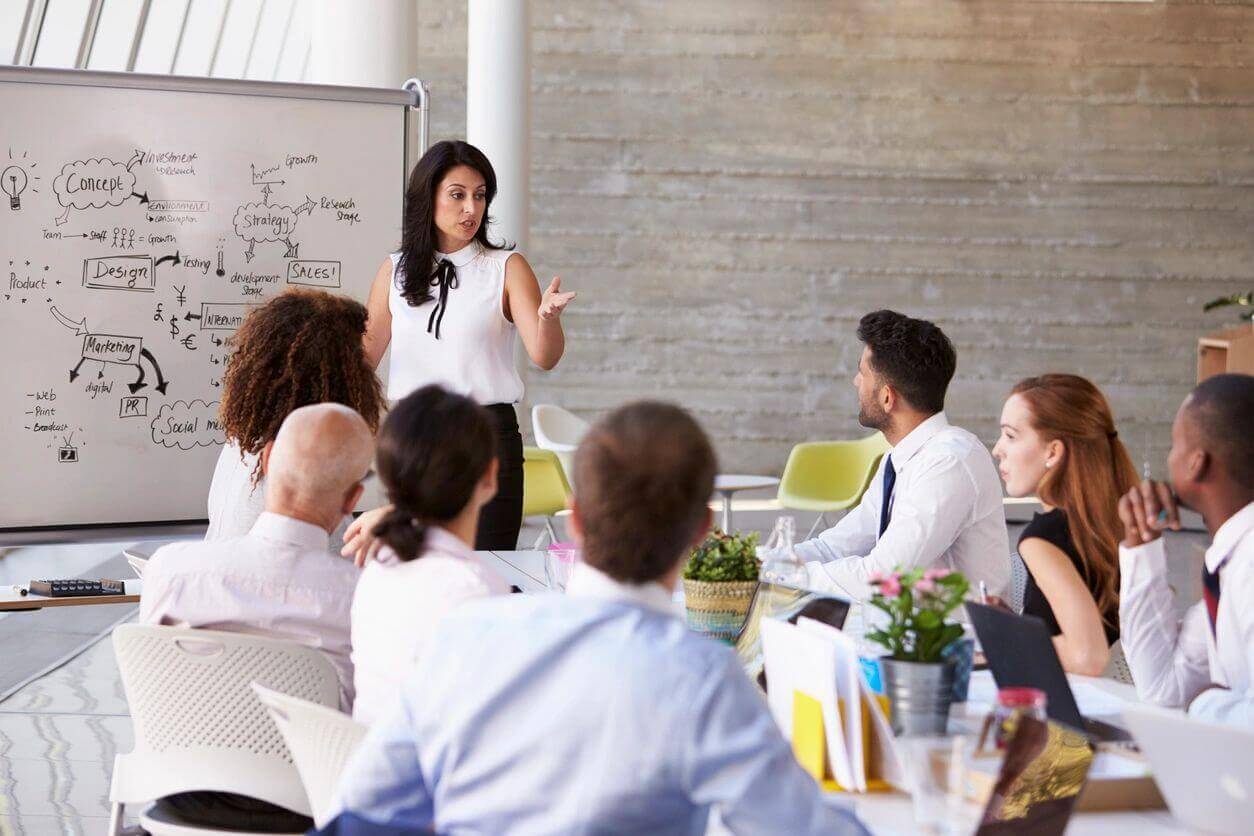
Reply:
x=198, y=725
x=321, y=741
x=833, y=471
x=138, y=563
x=557, y=429
x=1018, y=582
x=545, y=489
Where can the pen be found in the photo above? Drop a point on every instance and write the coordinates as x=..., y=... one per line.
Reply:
x=20, y=590
x=983, y=592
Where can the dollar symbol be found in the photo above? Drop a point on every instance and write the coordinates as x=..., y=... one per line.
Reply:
x=174, y=328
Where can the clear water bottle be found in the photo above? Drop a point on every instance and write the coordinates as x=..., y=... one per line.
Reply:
x=780, y=563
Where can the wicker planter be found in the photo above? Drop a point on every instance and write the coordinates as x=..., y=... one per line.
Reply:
x=718, y=608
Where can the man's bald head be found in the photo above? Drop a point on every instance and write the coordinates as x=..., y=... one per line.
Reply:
x=320, y=455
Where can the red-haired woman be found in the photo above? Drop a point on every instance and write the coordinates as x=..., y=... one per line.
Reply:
x=1058, y=441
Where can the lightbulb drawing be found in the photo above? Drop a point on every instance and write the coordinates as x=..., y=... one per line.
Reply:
x=15, y=179
x=13, y=182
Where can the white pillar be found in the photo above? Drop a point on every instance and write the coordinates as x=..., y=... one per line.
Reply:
x=365, y=44
x=498, y=107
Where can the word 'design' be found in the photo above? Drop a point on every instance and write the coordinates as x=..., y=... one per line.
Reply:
x=120, y=272
x=109, y=348
x=223, y=316
x=314, y=273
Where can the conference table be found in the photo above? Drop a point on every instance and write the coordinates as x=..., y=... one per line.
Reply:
x=893, y=813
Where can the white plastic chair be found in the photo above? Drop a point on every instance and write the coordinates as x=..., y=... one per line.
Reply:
x=199, y=726
x=321, y=741
x=138, y=562
x=558, y=430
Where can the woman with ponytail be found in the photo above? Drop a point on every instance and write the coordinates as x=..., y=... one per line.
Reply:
x=1058, y=441
x=437, y=460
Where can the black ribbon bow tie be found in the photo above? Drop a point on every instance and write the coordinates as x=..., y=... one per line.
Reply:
x=446, y=279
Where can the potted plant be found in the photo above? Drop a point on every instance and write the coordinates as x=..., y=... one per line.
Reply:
x=918, y=680
x=1244, y=301
x=719, y=580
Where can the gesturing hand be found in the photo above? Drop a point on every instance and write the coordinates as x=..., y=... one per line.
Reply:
x=1146, y=510
x=553, y=302
x=359, y=540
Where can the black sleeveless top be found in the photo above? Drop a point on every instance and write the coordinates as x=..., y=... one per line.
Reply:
x=1052, y=528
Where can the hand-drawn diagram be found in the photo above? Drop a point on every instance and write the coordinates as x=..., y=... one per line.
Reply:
x=258, y=223
x=112, y=349
x=185, y=425
x=95, y=184
x=67, y=453
x=135, y=406
x=314, y=273
x=16, y=178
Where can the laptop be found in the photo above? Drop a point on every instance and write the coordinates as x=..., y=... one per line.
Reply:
x=1204, y=770
x=773, y=600
x=1020, y=653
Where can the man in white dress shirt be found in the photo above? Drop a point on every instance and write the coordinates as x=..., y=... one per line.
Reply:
x=936, y=499
x=1204, y=662
x=280, y=579
x=597, y=711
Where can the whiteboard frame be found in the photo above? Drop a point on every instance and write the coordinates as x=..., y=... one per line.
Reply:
x=414, y=97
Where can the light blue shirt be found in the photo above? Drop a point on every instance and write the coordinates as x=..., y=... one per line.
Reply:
x=594, y=712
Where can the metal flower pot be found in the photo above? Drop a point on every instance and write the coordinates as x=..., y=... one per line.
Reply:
x=919, y=694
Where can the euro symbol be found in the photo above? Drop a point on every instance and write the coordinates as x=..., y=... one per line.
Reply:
x=189, y=342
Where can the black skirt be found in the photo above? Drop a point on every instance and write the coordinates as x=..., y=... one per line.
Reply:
x=501, y=519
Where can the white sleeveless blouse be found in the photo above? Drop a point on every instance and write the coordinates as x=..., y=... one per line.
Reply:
x=474, y=355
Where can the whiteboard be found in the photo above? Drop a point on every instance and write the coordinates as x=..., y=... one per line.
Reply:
x=140, y=219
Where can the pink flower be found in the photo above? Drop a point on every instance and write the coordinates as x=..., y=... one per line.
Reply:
x=890, y=587
x=936, y=574
x=876, y=577
x=927, y=587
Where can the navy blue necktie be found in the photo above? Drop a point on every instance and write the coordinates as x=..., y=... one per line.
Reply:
x=890, y=479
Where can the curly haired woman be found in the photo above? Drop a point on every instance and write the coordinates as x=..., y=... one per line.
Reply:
x=299, y=348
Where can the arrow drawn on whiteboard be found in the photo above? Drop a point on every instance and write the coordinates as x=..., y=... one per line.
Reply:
x=266, y=191
x=174, y=258
x=162, y=383
x=63, y=217
x=79, y=328
x=135, y=160
x=307, y=207
x=74, y=371
x=143, y=198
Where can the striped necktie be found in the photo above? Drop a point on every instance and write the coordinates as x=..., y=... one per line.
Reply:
x=1210, y=593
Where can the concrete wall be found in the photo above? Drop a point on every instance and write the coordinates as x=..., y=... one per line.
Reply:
x=731, y=184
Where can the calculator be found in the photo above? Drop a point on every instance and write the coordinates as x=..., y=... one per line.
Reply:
x=74, y=588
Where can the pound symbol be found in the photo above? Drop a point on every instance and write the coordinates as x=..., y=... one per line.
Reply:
x=156, y=316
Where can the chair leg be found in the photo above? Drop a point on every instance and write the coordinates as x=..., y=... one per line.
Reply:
x=548, y=526
x=115, y=819
x=820, y=521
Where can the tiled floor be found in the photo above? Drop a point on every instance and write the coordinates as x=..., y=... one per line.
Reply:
x=58, y=736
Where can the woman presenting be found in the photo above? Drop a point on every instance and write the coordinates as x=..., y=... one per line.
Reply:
x=449, y=304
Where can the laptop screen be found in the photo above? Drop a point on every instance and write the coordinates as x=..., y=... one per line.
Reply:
x=1021, y=653
x=772, y=600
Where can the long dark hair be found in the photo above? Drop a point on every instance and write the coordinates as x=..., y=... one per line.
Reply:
x=433, y=449
x=418, y=233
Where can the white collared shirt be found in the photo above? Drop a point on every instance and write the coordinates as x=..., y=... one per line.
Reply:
x=589, y=582
x=278, y=580
x=591, y=712
x=1172, y=661
x=474, y=355
x=397, y=607
x=946, y=512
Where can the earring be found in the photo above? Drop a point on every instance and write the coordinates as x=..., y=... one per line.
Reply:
x=1049, y=464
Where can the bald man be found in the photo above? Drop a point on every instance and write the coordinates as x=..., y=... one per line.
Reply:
x=280, y=579
x=1205, y=663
